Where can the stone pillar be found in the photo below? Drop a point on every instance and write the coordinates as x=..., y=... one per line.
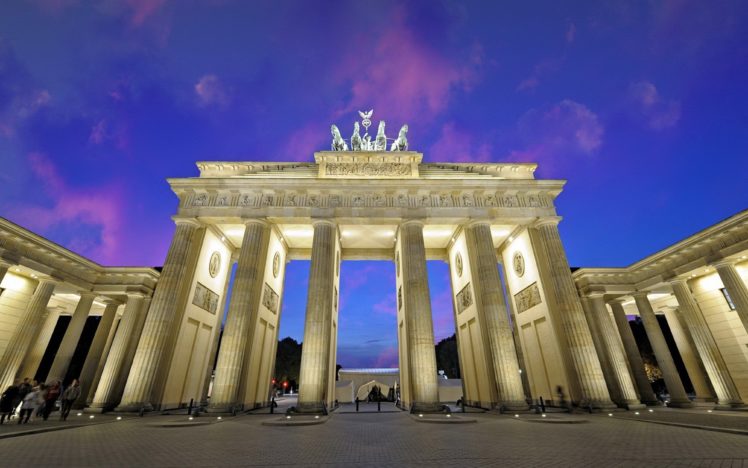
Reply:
x=315, y=355
x=689, y=355
x=567, y=309
x=159, y=322
x=492, y=310
x=714, y=364
x=678, y=397
x=242, y=316
x=115, y=367
x=736, y=288
x=636, y=364
x=39, y=344
x=424, y=388
x=614, y=354
x=102, y=362
x=4, y=267
x=95, y=351
x=70, y=340
x=24, y=333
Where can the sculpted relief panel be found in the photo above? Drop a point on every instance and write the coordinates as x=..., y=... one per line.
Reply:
x=527, y=298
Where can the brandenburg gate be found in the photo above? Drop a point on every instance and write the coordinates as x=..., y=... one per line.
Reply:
x=495, y=224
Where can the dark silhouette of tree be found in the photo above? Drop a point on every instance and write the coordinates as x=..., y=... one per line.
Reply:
x=288, y=362
x=446, y=357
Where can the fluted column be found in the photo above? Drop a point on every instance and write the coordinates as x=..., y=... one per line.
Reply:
x=614, y=353
x=736, y=288
x=490, y=297
x=72, y=335
x=424, y=388
x=115, y=367
x=25, y=331
x=689, y=355
x=560, y=287
x=159, y=322
x=714, y=364
x=102, y=362
x=243, y=309
x=678, y=397
x=95, y=351
x=636, y=364
x=315, y=354
x=39, y=344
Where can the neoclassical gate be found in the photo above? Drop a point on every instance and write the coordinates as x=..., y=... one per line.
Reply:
x=365, y=204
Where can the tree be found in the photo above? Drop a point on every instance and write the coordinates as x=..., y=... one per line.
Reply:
x=447, y=358
x=288, y=362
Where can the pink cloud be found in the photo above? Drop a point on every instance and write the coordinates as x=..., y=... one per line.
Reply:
x=98, y=210
x=459, y=144
x=571, y=32
x=387, y=306
x=314, y=136
x=103, y=132
x=210, y=91
x=649, y=105
x=566, y=126
x=528, y=84
x=387, y=358
x=22, y=106
x=141, y=10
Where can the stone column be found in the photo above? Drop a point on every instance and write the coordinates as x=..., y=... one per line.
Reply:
x=315, y=355
x=714, y=364
x=736, y=288
x=159, y=322
x=115, y=367
x=242, y=315
x=25, y=331
x=636, y=364
x=424, y=388
x=95, y=351
x=564, y=299
x=490, y=298
x=102, y=362
x=72, y=335
x=678, y=397
x=39, y=344
x=689, y=355
x=614, y=353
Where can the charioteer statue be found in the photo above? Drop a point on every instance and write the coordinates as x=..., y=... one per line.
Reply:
x=365, y=143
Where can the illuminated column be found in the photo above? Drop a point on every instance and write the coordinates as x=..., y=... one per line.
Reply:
x=736, y=288
x=616, y=360
x=315, y=354
x=716, y=369
x=678, y=397
x=492, y=309
x=39, y=344
x=159, y=323
x=568, y=311
x=4, y=267
x=94, y=384
x=72, y=335
x=95, y=351
x=25, y=331
x=689, y=355
x=115, y=367
x=424, y=388
x=242, y=316
x=636, y=364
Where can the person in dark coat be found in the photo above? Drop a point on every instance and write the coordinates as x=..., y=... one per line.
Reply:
x=49, y=401
x=8, y=402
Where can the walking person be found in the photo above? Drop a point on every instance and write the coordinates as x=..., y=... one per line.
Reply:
x=68, y=398
x=40, y=399
x=30, y=403
x=53, y=393
x=8, y=402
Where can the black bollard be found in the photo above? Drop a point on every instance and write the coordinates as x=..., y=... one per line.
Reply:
x=379, y=405
x=542, y=405
x=272, y=405
x=357, y=404
x=189, y=408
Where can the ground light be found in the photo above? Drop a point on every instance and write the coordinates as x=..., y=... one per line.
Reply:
x=79, y=414
x=119, y=418
x=610, y=414
x=91, y=417
x=219, y=417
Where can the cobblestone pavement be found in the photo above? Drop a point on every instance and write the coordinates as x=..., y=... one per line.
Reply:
x=387, y=439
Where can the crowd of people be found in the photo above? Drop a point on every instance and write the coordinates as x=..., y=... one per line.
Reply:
x=31, y=400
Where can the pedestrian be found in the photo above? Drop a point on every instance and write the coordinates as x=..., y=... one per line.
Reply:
x=29, y=405
x=68, y=398
x=53, y=393
x=41, y=399
x=8, y=402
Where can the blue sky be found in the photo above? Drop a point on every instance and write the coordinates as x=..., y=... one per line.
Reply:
x=641, y=106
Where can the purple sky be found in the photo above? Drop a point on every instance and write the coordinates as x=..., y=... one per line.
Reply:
x=642, y=106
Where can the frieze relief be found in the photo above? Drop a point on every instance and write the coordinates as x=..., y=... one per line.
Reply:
x=270, y=299
x=527, y=298
x=432, y=199
x=464, y=298
x=368, y=169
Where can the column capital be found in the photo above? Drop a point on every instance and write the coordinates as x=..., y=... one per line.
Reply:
x=723, y=262
x=186, y=221
x=135, y=295
x=478, y=222
x=324, y=221
x=640, y=294
x=261, y=221
x=111, y=301
x=546, y=221
x=415, y=221
x=87, y=294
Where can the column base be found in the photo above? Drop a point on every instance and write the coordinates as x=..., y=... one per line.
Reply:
x=731, y=406
x=680, y=404
x=310, y=407
x=634, y=406
x=134, y=408
x=605, y=405
x=225, y=408
x=426, y=407
x=96, y=409
x=700, y=399
x=506, y=406
x=652, y=402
